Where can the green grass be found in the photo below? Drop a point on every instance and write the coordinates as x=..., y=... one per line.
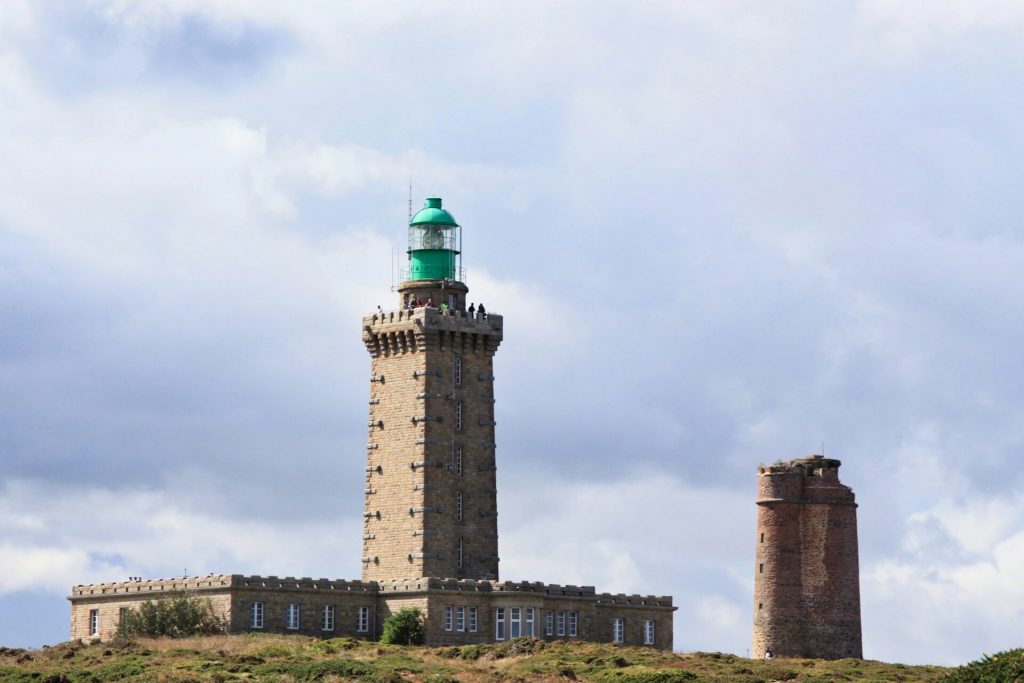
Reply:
x=295, y=659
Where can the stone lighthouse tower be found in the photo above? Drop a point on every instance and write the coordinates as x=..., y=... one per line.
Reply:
x=431, y=495
x=806, y=579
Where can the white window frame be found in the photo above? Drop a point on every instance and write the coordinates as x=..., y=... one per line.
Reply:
x=458, y=460
x=327, y=618
x=448, y=618
x=457, y=370
x=499, y=623
x=649, y=632
x=459, y=553
x=256, y=615
x=458, y=416
x=549, y=623
x=292, y=619
x=515, y=625
x=363, y=620
x=458, y=505
x=94, y=622
x=460, y=618
x=560, y=621
x=472, y=620
x=529, y=630
x=574, y=620
x=618, y=631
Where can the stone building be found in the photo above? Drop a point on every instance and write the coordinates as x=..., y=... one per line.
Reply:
x=430, y=534
x=806, y=581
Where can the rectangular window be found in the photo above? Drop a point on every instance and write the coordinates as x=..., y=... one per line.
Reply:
x=94, y=622
x=574, y=619
x=363, y=620
x=649, y=632
x=120, y=614
x=292, y=622
x=458, y=416
x=762, y=538
x=448, y=618
x=458, y=506
x=514, y=623
x=618, y=631
x=256, y=615
x=458, y=460
x=460, y=619
x=458, y=553
x=760, y=568
x=457, y=371
x=472, y=619
x=560, y=620
x=327, y=618
x=499, y=623
x=529, y=623
x=549, y=623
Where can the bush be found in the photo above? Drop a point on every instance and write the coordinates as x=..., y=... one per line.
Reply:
x=404, y=627
x=175, y=615
x=1005, y=666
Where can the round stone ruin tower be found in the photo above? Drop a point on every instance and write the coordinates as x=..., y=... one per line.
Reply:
x=806, y=578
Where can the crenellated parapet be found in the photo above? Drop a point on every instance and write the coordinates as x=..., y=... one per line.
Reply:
x=810, y=480
x=218, y=582
x=391, y=333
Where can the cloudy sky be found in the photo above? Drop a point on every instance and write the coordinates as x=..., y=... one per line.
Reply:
x=721, y=233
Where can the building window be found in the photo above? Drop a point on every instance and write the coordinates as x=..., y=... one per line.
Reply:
x=292, y=622
x=460, y=619
x=472, y=619
x=363, y=620
x=649, y=632
x=94, y=622
x=499, y=623
x=760, y=568
x=327, y=618
x=458, y=460
x=458, y=416
x=617, y=631
x=529, y=622
x=574, y=619
x=560, y=618
x=458, y=553
x=458, y=506
x=762, y=538
x=120, y=614
x=256, y=615
x=514, y=622
x=448, y=618
x=457, y=370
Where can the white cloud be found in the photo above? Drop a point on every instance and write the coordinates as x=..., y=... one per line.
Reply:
x=91, y=535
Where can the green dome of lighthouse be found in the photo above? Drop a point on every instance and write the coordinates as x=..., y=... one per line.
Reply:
x=433, y=213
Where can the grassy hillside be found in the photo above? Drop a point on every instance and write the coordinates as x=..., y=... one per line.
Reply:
x=218, y=659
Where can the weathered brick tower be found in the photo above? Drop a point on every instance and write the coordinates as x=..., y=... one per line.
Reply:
x=806, y=580
x=431, y=497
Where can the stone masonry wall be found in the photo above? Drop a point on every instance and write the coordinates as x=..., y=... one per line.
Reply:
x=806, y=580
x=430, y=446
x=110, y=598
x=233, y=597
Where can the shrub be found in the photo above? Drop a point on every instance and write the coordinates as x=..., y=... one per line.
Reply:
x=1005, y=666
x=405, y=627
x=175, y=615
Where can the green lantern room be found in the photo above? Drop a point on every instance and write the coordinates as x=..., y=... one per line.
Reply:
x=434, y=275
x=435, y=244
